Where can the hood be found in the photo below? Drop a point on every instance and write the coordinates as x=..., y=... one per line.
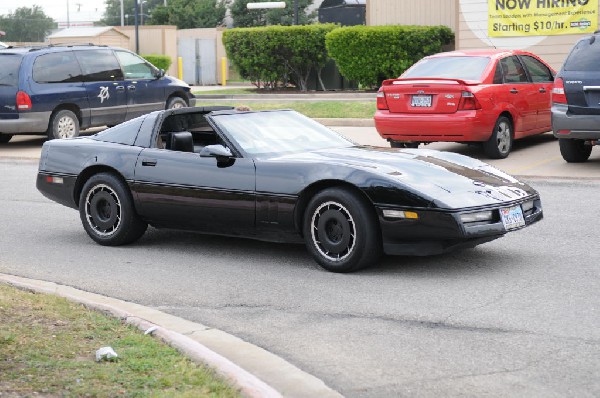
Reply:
x=445, y=179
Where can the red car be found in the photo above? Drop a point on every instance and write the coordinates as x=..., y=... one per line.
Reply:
x=487, y=96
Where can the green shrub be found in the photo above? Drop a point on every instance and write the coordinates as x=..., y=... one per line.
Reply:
x=271, y=55
x=160, y=61
x=370, y=54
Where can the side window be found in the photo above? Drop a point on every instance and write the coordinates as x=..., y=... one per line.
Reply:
x=537, y=70
x=135, y=67
x=498, y=74
x=61, y=67
x=512, y=70
x=99, y=65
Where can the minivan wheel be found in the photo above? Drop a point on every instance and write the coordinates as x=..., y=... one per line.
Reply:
x=4, y=138
x=500, y=143
x=176, y=103
x=574, y=151
x=64, y=124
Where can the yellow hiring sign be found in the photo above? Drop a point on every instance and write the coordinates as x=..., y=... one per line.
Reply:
x=509, y=18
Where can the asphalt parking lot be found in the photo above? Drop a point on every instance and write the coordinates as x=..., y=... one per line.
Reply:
x=537, y=156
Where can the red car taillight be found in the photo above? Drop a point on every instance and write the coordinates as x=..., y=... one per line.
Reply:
x=468, y=102
x=381, y=102
x=558, y=92
x=23, y=101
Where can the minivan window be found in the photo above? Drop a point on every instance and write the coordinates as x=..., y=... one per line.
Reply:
x=9, y=69
x=584, y=56
x=61, y=67
x=134, y=66
x=99, y=65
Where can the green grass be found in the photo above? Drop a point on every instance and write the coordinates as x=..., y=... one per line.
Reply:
x=48, y=345
x=314, y=109
x=229, y=91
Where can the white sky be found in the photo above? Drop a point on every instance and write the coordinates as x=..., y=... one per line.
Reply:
x=79, y=10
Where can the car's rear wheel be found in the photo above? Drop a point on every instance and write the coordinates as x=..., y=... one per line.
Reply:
x=107, y=212
x=574, y=151
x=500, y=143
x=341, y=231
x=64, y=124
x=176, y=103
x=4, y=138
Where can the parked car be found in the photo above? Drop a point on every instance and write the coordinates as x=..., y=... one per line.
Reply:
x=280, y=176
x=58, y=90
x=576, y=101
x=478, y=96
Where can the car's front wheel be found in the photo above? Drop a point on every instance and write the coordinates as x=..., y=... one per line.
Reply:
x=341, y=230
x=574, y=151
x=4, y=138
x=107, y=212
x=500, y=143
x=176, y=103
x=64, y=124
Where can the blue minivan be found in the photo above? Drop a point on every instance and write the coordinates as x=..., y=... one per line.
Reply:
x=59, y=90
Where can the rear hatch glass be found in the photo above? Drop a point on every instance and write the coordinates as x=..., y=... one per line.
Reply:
x=581, y=77
x=417, y=91
x=9, y=80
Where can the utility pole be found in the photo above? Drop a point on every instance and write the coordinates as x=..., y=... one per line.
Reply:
x=295, y=12
x=122, y=16
x=135, y=21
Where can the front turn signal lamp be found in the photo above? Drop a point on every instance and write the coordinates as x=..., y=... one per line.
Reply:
x=400, y=214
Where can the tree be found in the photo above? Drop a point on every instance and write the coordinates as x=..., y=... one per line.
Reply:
x=242, y=17
x=189, y=14
x=26, y=25
x=112, y=12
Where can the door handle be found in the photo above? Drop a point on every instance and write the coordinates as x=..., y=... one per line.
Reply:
x=149, y=162
x=542, y=90
x=120, y=88
x=131, y=88
x=514, y=91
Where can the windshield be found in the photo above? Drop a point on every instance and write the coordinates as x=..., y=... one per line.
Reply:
x=9, y=69
x=464, y=68
x=278, y=132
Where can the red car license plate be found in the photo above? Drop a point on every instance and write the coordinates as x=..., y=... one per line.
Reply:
x=421, y=101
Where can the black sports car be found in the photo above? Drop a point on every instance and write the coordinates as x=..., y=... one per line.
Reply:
x=280, y=176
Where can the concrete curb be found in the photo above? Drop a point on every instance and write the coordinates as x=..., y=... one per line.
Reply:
x=346, y=122
x=256, y=372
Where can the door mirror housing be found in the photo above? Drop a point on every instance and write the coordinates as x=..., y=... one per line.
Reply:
x=215, y=151
x=159, y=73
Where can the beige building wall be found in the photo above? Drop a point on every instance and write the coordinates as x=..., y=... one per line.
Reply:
x=412, y=12
x=207, y=33
x=472, y=33
x=154, y=39
x=109, y=38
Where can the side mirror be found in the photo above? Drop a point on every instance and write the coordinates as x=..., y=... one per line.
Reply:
x=215, y=151
x=159, y=73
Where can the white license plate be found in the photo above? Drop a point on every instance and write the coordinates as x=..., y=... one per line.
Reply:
x=512, y=217
x=421, y=100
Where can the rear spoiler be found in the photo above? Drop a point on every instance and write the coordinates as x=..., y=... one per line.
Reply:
x=441, y=80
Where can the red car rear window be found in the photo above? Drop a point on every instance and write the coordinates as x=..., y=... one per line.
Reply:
x=459, y=67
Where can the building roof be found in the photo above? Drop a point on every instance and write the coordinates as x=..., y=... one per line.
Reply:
x=84, y=32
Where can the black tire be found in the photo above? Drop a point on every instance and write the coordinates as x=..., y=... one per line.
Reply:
x=574, y=151
x=107, y=212
x=401, y=144
x=341, y=231
x=63, y=124
x=4, y=138
x=176, y=103
x=501, y=141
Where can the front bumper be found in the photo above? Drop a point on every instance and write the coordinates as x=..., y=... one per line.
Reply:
x=437, y=232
